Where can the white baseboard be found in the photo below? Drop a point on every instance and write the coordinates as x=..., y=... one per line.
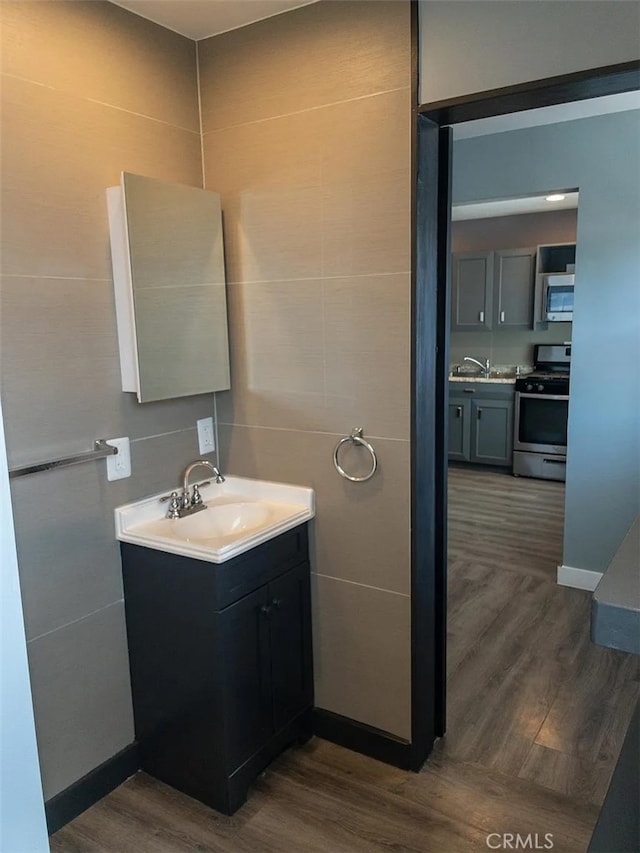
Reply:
x=578, y=578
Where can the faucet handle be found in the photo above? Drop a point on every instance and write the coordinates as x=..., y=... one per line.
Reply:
x=174, y=506
x=196, y=497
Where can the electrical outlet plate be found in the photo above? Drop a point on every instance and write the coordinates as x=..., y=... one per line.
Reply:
x=206, y=441
x=119, y=465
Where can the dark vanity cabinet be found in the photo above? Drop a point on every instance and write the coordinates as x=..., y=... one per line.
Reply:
x=221, y=663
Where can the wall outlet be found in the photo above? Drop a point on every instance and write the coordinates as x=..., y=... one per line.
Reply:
x=206, y=441
x=119, y=466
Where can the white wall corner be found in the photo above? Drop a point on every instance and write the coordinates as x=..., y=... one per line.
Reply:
x=578, y=578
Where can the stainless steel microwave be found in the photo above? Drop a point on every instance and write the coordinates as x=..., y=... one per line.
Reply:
x=557, y=297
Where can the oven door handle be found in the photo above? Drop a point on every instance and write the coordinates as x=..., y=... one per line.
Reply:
x=529, y=396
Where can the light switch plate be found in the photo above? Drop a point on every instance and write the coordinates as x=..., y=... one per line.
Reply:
x=119, y=465
x=206, y=441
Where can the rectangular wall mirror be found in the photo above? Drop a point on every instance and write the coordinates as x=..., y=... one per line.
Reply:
x=169, y=278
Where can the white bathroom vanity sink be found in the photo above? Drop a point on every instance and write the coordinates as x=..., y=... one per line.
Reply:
x=240, y=514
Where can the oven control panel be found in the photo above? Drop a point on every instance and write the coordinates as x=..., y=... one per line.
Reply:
x=546, y=386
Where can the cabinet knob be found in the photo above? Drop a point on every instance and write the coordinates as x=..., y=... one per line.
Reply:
x=502, y=316
x=265, y=610
x=481, y=316
x=479, y=413
x=276, y=603
x=459, y=411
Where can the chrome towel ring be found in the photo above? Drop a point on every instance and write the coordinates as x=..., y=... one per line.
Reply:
x=355, y=438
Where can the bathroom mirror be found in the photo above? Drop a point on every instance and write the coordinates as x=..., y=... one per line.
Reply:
x=169, y=278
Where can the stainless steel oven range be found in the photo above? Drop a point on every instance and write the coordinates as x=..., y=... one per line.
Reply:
x=542, y=408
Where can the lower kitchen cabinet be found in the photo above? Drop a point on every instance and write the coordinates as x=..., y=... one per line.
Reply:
x=481, y=426
x=221, y=663
x=459, y=428
x=492, y=432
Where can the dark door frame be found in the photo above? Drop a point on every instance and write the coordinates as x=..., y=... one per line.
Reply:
x=429, y=364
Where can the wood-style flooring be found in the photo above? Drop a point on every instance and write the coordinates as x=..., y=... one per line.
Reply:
x=537, y=715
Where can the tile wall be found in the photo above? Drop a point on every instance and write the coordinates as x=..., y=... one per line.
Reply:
x=306, y=123
x=88, y=90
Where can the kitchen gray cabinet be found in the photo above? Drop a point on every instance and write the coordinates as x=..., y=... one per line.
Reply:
x=472, y=291
x=459, y=432
x=493, y=290
x=481, y=423
x=514, y=288
x=492, y=432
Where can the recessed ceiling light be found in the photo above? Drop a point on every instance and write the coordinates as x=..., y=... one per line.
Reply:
x=555, y=197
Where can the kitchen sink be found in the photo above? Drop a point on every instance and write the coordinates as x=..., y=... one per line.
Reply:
x=240, y=514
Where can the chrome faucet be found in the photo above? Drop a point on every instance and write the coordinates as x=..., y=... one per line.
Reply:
x=486, y=367
x=204, y=463
x=185, y=504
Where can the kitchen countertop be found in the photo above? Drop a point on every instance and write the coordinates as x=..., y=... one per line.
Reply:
x=503, y=380
x=615, y=608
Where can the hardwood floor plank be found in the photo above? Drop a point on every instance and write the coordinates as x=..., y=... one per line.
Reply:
x=585, y=707
x=568, y=774
x=497, y=802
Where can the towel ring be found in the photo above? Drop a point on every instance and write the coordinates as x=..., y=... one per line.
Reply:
x=355, y=438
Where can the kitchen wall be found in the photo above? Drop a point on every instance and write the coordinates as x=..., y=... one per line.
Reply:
x=597, y=155
x=510, y=232
x=306, y=120
x=88, y=90
x=476, y=45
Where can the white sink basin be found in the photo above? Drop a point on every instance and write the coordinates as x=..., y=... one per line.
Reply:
x=239, y=515
x=217, y=521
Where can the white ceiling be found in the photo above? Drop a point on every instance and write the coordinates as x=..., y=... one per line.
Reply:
x=199, y=19
x=512, y=206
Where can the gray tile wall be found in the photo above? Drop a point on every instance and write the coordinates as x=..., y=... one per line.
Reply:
x=306, y=121
x=88, y=90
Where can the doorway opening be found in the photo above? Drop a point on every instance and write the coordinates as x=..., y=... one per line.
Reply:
x=515, y=716
x=509, y=373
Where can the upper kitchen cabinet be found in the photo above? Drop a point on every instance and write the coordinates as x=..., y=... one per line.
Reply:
x=169, y=279
x=514, y=271
x=493, y=290
x=472, y=291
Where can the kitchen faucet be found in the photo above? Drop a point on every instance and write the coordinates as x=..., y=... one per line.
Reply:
x=486, y=367
x=184, y=504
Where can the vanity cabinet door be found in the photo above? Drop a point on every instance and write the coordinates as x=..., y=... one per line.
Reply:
x=291, y=655
x=244, y=656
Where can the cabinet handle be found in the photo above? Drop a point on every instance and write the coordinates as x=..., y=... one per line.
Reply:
x=265, y=610
x=459, y=412
x=481, y=316
x=479, y=413
x=502, y=316
x=276, y=603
